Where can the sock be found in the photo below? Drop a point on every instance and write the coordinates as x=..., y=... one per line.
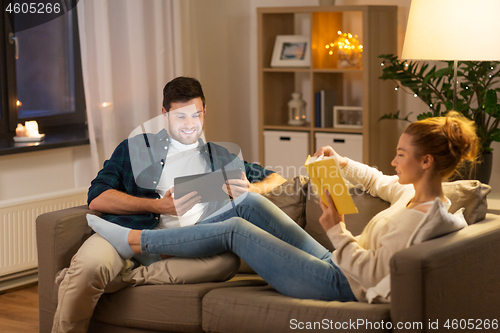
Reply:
x=113, y=233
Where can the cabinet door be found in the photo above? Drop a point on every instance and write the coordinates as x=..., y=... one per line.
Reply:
x=349, y=145
x=285, y=152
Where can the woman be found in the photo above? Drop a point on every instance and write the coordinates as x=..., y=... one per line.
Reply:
x=293, y=262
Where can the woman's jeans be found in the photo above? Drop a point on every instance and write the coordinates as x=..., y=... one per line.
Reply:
x=269, y=241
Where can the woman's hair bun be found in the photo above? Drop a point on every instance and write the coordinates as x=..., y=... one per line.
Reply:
x=450, y=140
x=461, y=134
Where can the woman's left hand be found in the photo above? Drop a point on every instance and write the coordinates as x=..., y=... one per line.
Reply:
x=330, y=216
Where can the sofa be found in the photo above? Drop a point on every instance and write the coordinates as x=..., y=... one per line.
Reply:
x=450, y=281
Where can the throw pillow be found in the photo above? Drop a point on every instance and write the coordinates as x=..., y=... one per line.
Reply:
x=290, y=198
x=470, y=194
x=368, y=206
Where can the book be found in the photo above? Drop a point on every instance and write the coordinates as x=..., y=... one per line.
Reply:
x=325, y=173
x=328, y=101
x=317, y=109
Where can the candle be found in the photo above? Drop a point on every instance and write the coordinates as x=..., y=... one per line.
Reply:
x=20, y=130
x=32, y=129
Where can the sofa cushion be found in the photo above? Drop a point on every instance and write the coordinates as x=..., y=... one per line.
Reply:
x=470, y=194
x=368, y=206
x=290, y=198
x=262, y=309
x=175, y=308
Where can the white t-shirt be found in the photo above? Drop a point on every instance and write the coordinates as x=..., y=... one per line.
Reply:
x=182, y=160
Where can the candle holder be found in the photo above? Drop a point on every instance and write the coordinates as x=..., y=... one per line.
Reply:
x=296, y=110
x=28, y=132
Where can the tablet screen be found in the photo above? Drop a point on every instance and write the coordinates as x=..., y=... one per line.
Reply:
x=208, y=185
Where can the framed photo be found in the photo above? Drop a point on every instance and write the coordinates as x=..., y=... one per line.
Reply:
x=291, y=51
x=348, y=117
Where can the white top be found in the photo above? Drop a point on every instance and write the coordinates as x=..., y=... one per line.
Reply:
x=365, y=259
x=182, y=160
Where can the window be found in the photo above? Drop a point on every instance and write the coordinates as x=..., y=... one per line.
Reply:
x=40, y=69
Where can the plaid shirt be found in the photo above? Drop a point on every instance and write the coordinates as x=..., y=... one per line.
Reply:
x=145, y=156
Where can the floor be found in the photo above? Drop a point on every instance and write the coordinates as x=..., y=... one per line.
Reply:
x=19, y=310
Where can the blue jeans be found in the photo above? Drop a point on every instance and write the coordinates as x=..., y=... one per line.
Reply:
x=269, y=241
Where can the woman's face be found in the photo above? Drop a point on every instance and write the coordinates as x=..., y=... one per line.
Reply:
x=408, y=168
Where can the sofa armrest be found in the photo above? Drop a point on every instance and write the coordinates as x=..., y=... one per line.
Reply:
x=59, y=236
x=451, y=277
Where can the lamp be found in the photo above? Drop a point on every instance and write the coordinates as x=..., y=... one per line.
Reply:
x=458, y=30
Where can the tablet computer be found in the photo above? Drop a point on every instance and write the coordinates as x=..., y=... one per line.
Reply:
x=208, y=185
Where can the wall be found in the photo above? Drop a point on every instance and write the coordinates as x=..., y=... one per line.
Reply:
x=226, y=37
x=37, y=173
x=223, y=40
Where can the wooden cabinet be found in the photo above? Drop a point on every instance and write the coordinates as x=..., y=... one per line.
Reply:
x=376, y=27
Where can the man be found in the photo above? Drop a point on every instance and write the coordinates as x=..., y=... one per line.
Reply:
x=134, y=189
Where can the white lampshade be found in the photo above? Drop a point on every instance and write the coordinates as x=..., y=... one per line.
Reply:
x=453, y=30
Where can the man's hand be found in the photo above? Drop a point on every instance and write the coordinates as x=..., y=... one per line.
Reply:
x=236, y=187
x=330, y=216
x=171, y=206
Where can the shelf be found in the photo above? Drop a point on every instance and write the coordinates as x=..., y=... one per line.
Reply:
x=313, y=70
x=307, y=128
x=287, y=128
x=376, y=27
x=338, y=130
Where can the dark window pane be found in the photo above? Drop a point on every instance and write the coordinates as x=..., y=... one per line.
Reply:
x=46, y=69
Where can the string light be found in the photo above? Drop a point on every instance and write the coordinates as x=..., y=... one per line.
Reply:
x=396, y=88
x=348, y=49
x=415, y=95
x=382, y=64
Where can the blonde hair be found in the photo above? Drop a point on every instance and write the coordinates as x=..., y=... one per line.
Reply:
x=450, y=140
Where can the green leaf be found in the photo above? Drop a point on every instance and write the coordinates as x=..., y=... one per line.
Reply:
x=394, y=116
x=442, y=72
x=495, y=135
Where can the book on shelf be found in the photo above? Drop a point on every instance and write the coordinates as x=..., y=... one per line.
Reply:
x=325, y=173
x=324, y=101
x=317, y=109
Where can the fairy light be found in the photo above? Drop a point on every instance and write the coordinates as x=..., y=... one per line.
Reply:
x=348, y=46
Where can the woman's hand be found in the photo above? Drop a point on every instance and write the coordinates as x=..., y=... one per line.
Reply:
x=329, y=151
x=330, y=216
x=325, y=151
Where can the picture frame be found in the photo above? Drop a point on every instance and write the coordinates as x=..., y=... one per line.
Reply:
x=348, y=117
x=291, y=51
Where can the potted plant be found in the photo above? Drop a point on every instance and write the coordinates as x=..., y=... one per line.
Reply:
x=477, y=98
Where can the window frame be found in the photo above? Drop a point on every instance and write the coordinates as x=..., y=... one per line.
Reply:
x=8, y=82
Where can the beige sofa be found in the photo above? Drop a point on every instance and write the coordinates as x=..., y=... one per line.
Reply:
x=445, y=280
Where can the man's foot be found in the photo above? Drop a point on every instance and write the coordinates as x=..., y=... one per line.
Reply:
x=113, y=233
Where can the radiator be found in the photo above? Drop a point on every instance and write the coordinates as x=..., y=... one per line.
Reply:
x=17, y=227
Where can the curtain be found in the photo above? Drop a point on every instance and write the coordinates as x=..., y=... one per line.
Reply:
x=130, y=49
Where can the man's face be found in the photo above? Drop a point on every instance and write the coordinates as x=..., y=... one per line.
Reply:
x=185, y=120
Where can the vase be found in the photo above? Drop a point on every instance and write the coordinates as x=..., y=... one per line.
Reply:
x=483, y=170
x=480, y=170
